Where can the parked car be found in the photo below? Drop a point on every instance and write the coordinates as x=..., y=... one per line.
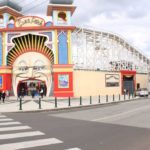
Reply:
x=142, y=92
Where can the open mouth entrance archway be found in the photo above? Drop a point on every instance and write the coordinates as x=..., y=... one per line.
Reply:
x=31, y=88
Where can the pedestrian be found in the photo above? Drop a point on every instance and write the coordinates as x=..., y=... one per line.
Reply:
x=41, y=92
x=3, y=96
x=32, y=93
x=0, y=95
x=125, y=91
x=7, y=94
x=22, y=92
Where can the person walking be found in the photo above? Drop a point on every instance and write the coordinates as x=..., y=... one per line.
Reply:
x=0, y=95
x=7, y=95
x=22, y=92
x=41, y=92
x=32, y=93
x=3, y=96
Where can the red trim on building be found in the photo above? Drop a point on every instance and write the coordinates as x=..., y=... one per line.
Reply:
x=63, y=92
x=6, y=82
x=6, y=78
x=40, y=28
x=128, y=72
x=63, y=66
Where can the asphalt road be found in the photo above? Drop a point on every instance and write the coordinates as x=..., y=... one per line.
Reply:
x=121, y=126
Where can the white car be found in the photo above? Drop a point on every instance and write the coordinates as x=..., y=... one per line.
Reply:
x=142, y=92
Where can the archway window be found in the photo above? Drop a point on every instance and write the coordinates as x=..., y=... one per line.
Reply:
x=11, y=20
x=62, y=18
x=1, y=19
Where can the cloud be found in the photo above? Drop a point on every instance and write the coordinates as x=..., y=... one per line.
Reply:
x=129, y=18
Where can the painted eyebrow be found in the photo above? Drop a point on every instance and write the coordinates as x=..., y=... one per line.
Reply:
x=22, y=63
x=39, y=61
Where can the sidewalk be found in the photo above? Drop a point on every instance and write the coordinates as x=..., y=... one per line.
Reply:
x=49, y=103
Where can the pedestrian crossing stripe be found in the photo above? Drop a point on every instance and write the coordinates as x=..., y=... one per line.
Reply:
x=9, y=123
x=14, y=128
x=30, y=144
x=21, y=134
x=73, y=149
x=7, y=119
x=2, y=116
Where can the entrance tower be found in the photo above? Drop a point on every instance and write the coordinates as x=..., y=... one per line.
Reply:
x=9, y=11
x=61, y=12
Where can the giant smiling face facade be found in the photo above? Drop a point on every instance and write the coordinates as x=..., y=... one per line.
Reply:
x=32, y=66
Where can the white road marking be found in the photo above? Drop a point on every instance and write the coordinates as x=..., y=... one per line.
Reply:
x=21, y=134
x=74, y=149
x=30, y=144
x=121, y=114
x=7, y=119
x=2, y=116
x=9, y=123
x=14, y=128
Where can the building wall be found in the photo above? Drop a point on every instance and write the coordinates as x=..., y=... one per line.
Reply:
x=92, y=83
x=142, y=79
x=1, y=50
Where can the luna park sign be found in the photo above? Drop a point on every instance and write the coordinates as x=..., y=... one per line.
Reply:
x=29, y=22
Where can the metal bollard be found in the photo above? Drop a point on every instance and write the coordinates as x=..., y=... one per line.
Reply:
x=80, y=100
x=129, y=96
x=119, y=97
x=55, y=102
x=106, y=98
x=99, y=99
x=90, y=99
x=69, y=102
x=40, y=103
x=132, y=95
x=113, y=97
x=20, y=108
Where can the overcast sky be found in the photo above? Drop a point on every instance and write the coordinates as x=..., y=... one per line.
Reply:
x=128, y=18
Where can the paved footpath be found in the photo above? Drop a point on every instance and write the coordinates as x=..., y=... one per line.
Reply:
x=12, y=104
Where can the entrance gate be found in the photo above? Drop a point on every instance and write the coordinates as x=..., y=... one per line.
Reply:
x=128, y=78
x=31, y=88
x=128, y=84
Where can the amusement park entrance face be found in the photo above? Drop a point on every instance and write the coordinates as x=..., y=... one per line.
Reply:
x=32, y=66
